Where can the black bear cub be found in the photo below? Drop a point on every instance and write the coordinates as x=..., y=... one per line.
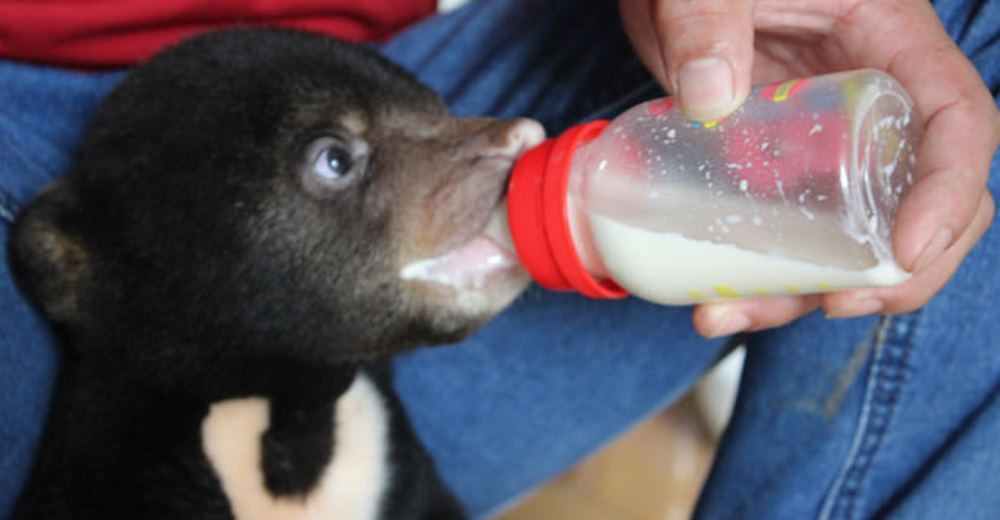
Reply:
x=255, y=222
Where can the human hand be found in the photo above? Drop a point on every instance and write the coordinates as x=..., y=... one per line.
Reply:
x=709, y=52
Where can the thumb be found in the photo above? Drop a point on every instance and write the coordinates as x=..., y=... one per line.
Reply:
x=707, y=50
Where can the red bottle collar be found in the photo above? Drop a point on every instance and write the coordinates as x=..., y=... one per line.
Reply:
x=539, y=220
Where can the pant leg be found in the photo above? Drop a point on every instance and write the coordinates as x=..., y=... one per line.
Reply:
x=41, y=114
x=896, y=417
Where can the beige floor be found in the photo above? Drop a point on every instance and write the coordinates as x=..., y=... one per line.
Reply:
x=653, y=472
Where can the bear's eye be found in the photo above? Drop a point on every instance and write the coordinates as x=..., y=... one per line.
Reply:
x=332, y=163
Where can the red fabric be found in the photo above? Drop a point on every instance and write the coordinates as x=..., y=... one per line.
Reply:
x=114, y=33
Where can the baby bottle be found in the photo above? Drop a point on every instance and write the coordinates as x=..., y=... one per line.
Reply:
x=793, y=193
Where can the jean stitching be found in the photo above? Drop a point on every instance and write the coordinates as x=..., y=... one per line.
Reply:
x=883, y=389
x=16, y=137
x=8, y=207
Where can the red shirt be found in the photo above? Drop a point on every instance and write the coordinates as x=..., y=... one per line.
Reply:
x=115, y=33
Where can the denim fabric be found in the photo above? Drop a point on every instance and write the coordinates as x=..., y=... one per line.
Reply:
x=836, y=419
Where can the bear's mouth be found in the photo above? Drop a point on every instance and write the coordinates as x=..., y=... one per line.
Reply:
x=485, y=256
x=473, y=264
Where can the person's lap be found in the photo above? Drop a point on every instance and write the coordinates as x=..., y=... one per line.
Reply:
x=854, y=413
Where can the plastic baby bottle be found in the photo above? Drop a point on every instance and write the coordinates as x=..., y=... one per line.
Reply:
x=795, y=192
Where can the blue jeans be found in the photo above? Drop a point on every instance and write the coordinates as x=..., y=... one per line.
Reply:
x=894, y=416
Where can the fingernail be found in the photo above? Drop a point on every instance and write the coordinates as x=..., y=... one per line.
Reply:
x=934, y=249
x=706, y=88
x=853, y=308
x=729, y=322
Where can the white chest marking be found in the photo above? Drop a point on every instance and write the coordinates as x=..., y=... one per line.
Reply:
x=350, y=488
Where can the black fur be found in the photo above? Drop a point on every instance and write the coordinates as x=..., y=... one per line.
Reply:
x=190, y=257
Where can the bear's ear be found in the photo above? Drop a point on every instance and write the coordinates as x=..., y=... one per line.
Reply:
x=48, y=260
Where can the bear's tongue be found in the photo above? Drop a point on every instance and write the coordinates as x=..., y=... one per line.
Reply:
x=466, y=267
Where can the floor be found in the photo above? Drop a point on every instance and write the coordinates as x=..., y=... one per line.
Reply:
x=654, y=472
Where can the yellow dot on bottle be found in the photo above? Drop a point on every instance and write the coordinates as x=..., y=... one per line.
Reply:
x=781, y=93
x=696, y=295
x=825, y=287
x=761, y=292
x=710, y=124
x=791, y=289
x=726, y=291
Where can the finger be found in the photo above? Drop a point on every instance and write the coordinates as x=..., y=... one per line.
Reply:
x=707, y=52
x=953, y=167
x=917, y=291
x=958, y=112
x=638, y=25
x=717, y=319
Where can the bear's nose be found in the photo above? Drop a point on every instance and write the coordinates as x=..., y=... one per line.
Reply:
x=513, y=137
x=497, y=138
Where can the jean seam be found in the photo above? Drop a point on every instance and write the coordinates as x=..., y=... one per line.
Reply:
x=883, y=388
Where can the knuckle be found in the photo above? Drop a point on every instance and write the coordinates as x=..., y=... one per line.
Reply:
x=687, y=14
x=952, y=194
